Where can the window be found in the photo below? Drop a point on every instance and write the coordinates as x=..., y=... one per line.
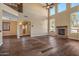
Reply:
x=52, y=25
x=75, y=22
x=74, y=4
x=52, y=11
x=61, y=7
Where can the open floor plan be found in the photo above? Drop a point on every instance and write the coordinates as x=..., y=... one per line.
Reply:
x=39, y=29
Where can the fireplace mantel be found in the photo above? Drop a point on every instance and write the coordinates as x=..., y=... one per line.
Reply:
x=60, y=26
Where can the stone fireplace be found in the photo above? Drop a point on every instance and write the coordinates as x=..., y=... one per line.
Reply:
x=61, y=31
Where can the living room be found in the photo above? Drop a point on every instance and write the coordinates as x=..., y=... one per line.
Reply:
x=54, y=27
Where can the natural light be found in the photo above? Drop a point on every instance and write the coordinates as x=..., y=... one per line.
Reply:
x=74, y=4
x=52, y=11
x=75, y=22
x=61, y=7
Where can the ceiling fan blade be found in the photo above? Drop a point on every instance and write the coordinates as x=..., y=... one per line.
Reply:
x=48, y=5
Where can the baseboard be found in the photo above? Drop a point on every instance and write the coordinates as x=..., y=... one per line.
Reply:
x=40, y=36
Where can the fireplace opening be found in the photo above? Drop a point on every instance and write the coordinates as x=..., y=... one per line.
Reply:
x=61, y=31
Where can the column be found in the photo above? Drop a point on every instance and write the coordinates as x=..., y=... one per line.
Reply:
x=48, y=20
x=20, y=19
x=68, y=16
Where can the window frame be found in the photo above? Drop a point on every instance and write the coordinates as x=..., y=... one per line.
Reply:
x=52, y=29
x=72, y=26
x=53, y=11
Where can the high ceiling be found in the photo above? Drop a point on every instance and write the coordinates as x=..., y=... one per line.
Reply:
x=31, y=10
x=19, y=6
x=48, y=5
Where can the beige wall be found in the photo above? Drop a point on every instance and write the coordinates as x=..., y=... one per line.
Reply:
x=63, y=19
x=13, y=28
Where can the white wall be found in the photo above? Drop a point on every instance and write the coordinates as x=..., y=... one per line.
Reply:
x=37, y=15
x=39, y=27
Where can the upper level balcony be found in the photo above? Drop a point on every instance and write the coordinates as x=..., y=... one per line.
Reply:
x=16, y=6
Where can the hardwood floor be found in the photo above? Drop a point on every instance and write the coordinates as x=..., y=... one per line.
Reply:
x=39, y=46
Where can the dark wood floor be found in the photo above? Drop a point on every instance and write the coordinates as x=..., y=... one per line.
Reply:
x=39, y=46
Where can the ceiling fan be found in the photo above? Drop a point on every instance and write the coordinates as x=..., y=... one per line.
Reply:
x=48, y=5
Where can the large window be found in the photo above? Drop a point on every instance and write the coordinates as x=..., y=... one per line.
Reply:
x=74, y=4
x=52, y=25
x=61, y=7
x=52, y=11
x=75, y=22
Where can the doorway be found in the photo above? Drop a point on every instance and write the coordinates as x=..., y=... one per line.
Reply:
x=25, y=28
